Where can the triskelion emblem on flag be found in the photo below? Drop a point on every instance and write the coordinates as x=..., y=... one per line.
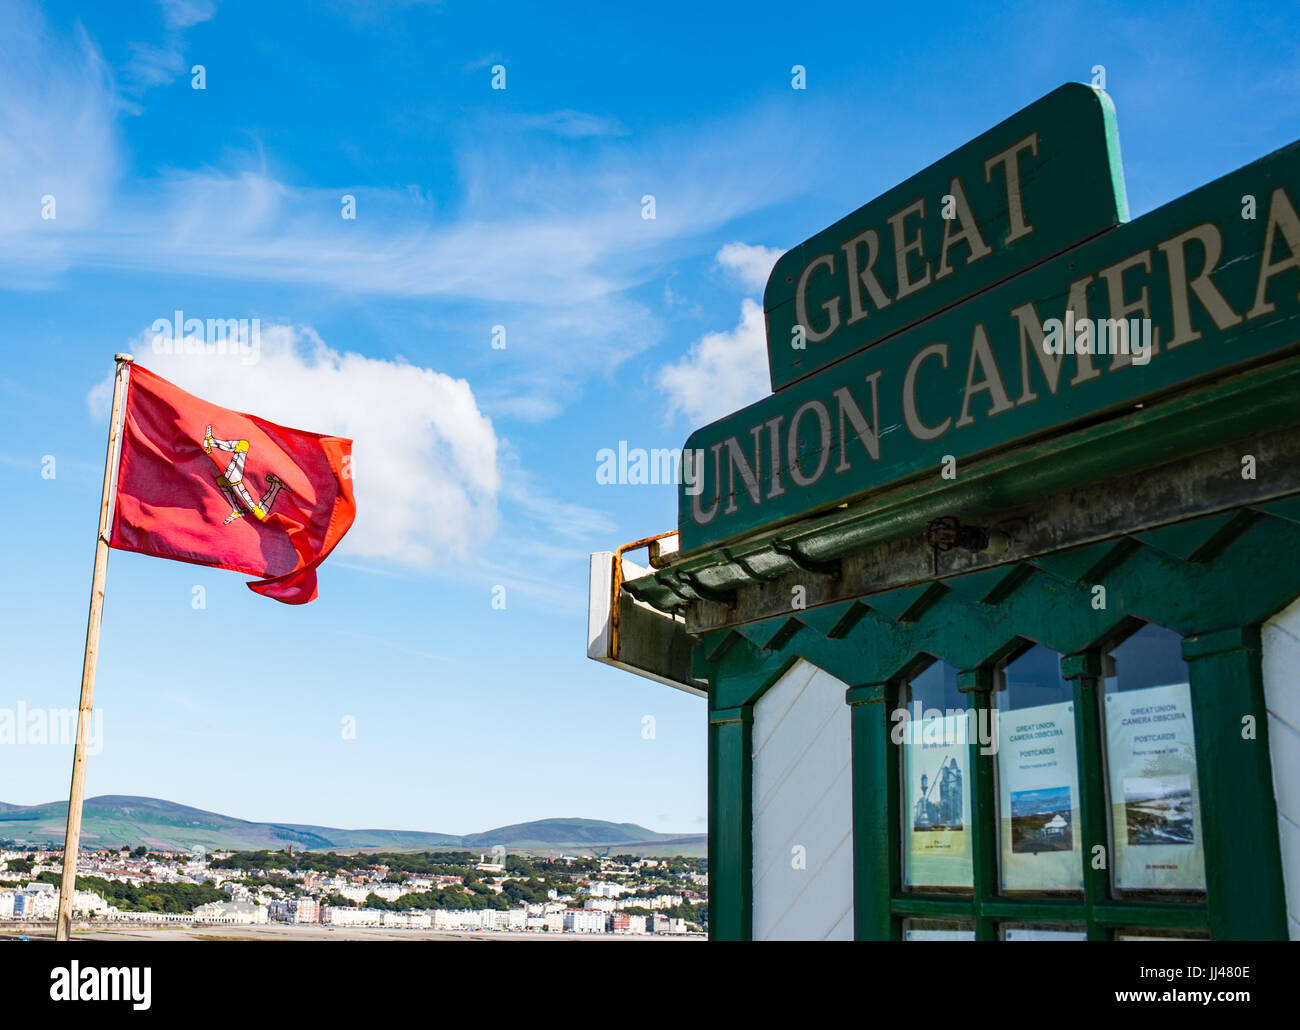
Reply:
x=231, y=483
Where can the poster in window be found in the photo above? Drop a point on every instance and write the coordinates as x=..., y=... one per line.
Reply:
x=1155, y=937
x=937, y=795
x=938, y=935
x=1034, y=933
x=1155, y=804
x=1038, y=778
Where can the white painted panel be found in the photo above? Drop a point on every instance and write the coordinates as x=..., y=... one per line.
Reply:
x=843, y=930
x=803, y=797
x=778, y=701
x=1280, y=661
x=1290, y=839
x=1284, y=746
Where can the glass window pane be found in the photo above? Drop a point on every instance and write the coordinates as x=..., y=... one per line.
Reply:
x=1161, y=935
x=1155, y=805
x=937, y=930
x=1038, y=777
x=936, y=780
x=1042, y=932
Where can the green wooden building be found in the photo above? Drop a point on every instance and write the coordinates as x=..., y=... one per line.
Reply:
x=995, y=600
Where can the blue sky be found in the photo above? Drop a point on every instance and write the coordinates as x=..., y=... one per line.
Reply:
x=475, y=466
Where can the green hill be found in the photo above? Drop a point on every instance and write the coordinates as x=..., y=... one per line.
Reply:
x=552, y=833
x=117, y=820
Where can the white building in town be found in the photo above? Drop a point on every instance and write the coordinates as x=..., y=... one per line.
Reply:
x=235, y=913
x=344, y=916
x=600, y=904
x=185, y=918
x=584, y=920
x=406, y=919
x=90, y=903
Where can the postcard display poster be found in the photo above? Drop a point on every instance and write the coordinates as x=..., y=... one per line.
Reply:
x=938, y=935
x=1030, y=933
x=937, y=792
x=1155, y=803
x=1038, y=780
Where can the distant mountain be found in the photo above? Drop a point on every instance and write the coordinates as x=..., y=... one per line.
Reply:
x=116, y=820
x=553, y=833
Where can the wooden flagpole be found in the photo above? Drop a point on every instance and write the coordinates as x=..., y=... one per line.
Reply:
x=72, y=838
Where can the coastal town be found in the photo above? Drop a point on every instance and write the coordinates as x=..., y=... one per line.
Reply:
x=448, y=891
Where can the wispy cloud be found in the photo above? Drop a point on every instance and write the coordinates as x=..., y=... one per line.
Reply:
x=552, y=519
x=58, y=106
x=486, y=61
x=573, y=124
x=532, y=223
x=154, y=65
x=549, y=242
x=391, y=645
x=179, y=15
x=158, y=64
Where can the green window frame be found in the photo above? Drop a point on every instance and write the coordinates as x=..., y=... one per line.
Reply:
x=1213, y=581
x=1102, y=912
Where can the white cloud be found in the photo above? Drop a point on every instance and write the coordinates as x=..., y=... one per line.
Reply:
x=424, y=457
x=182, y=14
x=751, y=264
x=723, y=371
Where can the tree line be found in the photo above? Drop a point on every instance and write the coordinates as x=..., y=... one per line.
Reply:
x=145, y=897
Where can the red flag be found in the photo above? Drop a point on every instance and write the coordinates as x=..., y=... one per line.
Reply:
x=207, y=485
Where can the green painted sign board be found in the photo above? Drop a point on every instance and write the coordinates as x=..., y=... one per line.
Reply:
x=1039, y=182
x=1211, y=282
